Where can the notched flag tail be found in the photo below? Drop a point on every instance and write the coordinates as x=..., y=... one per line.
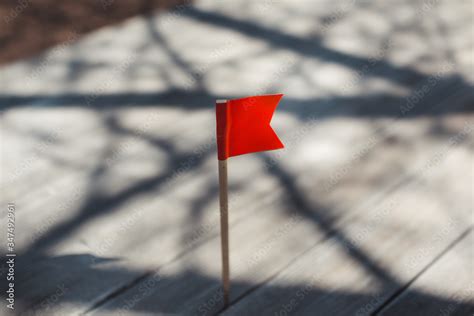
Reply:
x=243, y=125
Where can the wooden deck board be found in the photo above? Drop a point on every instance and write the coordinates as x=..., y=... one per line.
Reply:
x=123, y=202
x=250, y=238
x=269, y=215
x=450, y=279
x=379, y=260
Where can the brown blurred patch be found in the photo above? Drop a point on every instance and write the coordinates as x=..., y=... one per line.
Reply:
x=29, y=26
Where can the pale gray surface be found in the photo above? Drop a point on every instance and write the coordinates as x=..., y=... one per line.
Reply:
x=108, y=153
x=452, y=274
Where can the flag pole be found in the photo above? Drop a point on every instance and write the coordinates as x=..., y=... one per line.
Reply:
x=224, y=210
x=240, y=129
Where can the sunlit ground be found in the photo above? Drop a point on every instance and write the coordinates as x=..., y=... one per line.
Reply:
x=108, y=153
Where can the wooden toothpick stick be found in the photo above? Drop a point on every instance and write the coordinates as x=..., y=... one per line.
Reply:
x=224, y=210
x=242, y=127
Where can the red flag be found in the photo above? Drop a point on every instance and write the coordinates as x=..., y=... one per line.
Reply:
x=243, y=126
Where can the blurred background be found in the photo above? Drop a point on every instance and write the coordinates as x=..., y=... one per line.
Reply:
x=108, y=157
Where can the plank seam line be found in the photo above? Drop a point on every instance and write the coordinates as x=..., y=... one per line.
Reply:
x=460, y=94
x=327, y=236
x=402, y=180
x=118, y=291
x=403, y=289
x=128, y=285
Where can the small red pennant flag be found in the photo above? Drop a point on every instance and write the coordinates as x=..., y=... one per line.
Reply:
x=243, y=126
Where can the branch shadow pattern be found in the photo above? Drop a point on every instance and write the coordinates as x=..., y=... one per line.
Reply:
x=368, y=106
x=162, y=296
